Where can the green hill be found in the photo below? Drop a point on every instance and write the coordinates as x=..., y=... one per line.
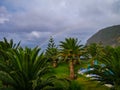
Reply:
x=107, y=36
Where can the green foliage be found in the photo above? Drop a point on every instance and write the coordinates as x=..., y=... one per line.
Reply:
x=74, y=85
x=109, y=73
x=70, y=49
x=51, y=48
x=81, y=83
x=94, y=51
x=5, y=45
x=52, y=52
x=62, y=71
x=28, y=68
x=87, y=84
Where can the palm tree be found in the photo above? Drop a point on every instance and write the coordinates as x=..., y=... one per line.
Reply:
x=5, y=44
x=93, y=51
x=27, y=71
x=109, y=71
x=70, y=51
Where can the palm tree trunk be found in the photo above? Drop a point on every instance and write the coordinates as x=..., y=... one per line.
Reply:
x=72, y=74
x=54, y=63
x=92, y=63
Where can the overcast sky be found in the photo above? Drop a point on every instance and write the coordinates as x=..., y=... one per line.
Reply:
x=33, y=21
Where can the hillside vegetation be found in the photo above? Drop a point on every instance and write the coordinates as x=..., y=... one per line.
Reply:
x=107, y=36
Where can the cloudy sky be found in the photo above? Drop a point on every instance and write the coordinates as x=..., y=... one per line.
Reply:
x=33, y=21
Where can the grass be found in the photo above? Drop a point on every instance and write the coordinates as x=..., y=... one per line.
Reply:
x=62, y=71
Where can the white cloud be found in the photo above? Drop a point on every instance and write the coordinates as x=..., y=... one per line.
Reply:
x=37, y=34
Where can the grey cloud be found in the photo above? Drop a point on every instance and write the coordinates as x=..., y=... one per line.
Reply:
x=116, y=7
x=39, y=19
x=4, y=16
x=56, y=14
x=31, y=39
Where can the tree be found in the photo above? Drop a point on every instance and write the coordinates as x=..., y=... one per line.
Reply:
x=5, y=44
x=108, y=72
x=52, y=52
x=27, y=71
x=71, y=51
x=93, y=51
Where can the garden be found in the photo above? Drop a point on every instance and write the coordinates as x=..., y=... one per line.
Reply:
x=56, y=68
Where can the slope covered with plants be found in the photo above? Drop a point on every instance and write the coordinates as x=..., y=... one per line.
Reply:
x=107, y=36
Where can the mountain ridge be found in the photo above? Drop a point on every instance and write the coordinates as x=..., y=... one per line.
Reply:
x=106, y=36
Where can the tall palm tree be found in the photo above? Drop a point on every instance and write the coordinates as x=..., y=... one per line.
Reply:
x=71, y=51
x=27, y=71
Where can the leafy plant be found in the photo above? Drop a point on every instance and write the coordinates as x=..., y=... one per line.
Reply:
x=5, y=44
x=27, y=71
x=108, y=72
